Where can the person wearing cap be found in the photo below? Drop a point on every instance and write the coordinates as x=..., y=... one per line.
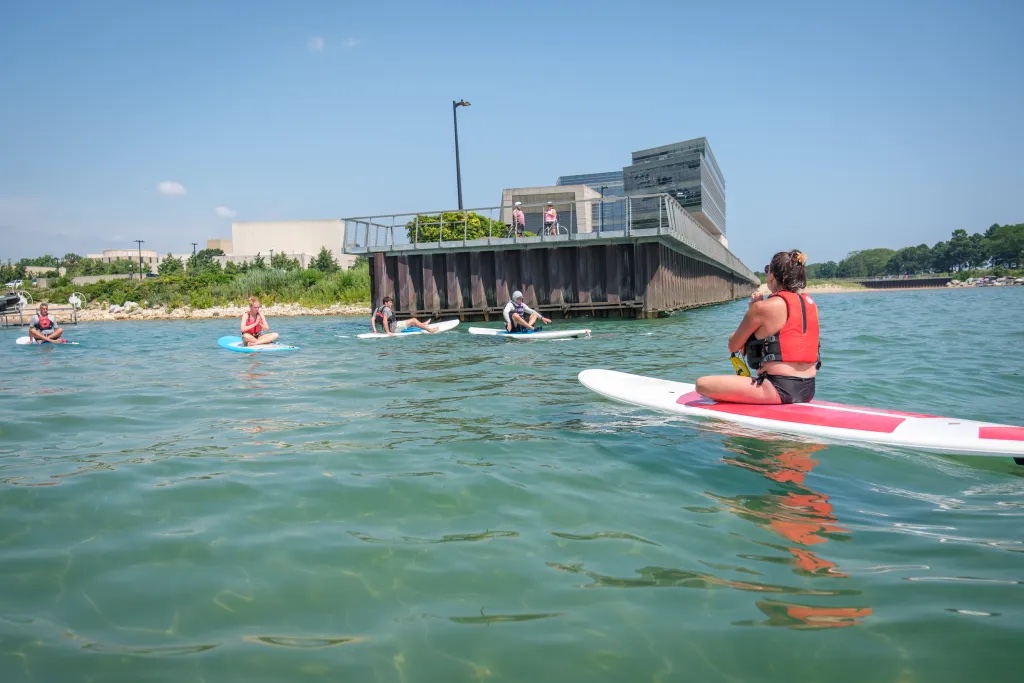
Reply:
x=519, y=219
x=550, y=219
x=515, y=315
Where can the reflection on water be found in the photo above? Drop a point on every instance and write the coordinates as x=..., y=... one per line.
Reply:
x=800, y=515
x=402, y=513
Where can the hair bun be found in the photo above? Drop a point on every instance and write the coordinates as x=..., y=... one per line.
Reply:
x=800, y=257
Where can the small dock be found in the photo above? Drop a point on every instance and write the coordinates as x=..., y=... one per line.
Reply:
x=656, y=261
x=20, y=316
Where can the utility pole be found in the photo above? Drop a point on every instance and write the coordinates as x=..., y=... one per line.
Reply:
x=193, y=269
x=140, y=243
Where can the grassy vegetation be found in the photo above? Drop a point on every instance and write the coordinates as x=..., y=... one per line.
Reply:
x=307, y=287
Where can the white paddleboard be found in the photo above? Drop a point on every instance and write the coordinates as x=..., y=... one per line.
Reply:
x=818, y=419
x=409, y=331
x=28, y=340
x=529, y=336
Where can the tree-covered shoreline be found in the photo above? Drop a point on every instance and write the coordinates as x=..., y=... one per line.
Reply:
x=999, y=251
x=200, y=281
x=203, y=283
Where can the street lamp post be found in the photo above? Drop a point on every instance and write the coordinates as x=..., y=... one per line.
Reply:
x=193, y=269
x=458, y=171
x=603, y=188
x=140, y=243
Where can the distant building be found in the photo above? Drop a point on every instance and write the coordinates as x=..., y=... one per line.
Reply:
x=150, y=259
x=300, y=240
x=687, y=171
x=606, y=216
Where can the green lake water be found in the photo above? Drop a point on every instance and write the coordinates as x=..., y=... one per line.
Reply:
x=460, y=508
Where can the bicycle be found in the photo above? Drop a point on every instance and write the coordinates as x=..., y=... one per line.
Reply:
x=555, y=229
x=513, y=233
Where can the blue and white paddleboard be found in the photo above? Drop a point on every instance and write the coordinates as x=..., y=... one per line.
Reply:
x=235, y=344
x=29, y=341
x=441, y=327
x=529, y=336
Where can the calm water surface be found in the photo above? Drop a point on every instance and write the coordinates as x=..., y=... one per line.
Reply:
x=462, y=509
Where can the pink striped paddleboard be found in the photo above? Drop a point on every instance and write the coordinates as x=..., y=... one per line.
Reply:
x=818, y=419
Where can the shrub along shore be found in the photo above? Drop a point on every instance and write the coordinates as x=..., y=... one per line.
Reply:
x=214, y=294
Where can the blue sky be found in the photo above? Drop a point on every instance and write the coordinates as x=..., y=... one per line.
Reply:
x=838, y=126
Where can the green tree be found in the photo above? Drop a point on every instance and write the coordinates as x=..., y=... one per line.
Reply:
x=453, y=226
x=909, y=261
x=1006, y=245
x=867, y=263
x=40, y=261
x=11, y=272
x=324, y=261
x=940, y=258
x=120, y=266
x=170, y=266
x=203, y=262
x=283, y=262
x=258, y=263
x=959, y=250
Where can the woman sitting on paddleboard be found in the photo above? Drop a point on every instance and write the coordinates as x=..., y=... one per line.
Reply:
x=255, y=328
x=779, y=337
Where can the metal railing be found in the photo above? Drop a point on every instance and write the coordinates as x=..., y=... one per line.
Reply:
x=637, y=215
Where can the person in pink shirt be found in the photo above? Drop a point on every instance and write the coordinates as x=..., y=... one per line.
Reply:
x=550, y=219
x=519, y=219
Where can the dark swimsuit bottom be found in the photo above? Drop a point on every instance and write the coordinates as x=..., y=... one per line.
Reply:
x=791, y=389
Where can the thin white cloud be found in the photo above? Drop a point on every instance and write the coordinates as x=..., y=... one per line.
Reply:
x=351, y=43
x=225, y=212
x=170, y=188
x=317, y=44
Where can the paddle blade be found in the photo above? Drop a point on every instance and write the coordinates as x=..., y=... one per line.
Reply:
x=740, y=366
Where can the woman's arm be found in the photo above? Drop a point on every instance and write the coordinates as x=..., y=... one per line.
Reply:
x=751, y=321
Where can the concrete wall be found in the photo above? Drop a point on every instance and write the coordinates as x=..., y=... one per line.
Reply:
x=291, y=237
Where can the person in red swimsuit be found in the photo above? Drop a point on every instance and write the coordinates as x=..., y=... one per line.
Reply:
x=779, y=336
x=255, y=328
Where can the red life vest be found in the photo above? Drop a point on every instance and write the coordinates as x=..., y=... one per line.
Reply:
x=44, y=322
x=250, y=320
x=797, y=342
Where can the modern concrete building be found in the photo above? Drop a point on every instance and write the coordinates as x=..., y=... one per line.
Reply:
x=572, y=202
x=687, y=171
x=301, y=240
x=607, y=216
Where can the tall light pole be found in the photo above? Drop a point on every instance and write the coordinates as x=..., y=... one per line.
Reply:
x=192, y=269
x=140, y=243
x=458, y=171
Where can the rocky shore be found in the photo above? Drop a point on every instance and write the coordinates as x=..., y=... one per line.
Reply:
x=132, y=311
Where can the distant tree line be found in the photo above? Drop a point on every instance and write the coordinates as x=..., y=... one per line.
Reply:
x=201, y=263
x=1001, y=248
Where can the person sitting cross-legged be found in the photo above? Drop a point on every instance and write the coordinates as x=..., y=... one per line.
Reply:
x=515, y=313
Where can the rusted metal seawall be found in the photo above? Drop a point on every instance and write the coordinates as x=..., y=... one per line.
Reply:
x=630, y=279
